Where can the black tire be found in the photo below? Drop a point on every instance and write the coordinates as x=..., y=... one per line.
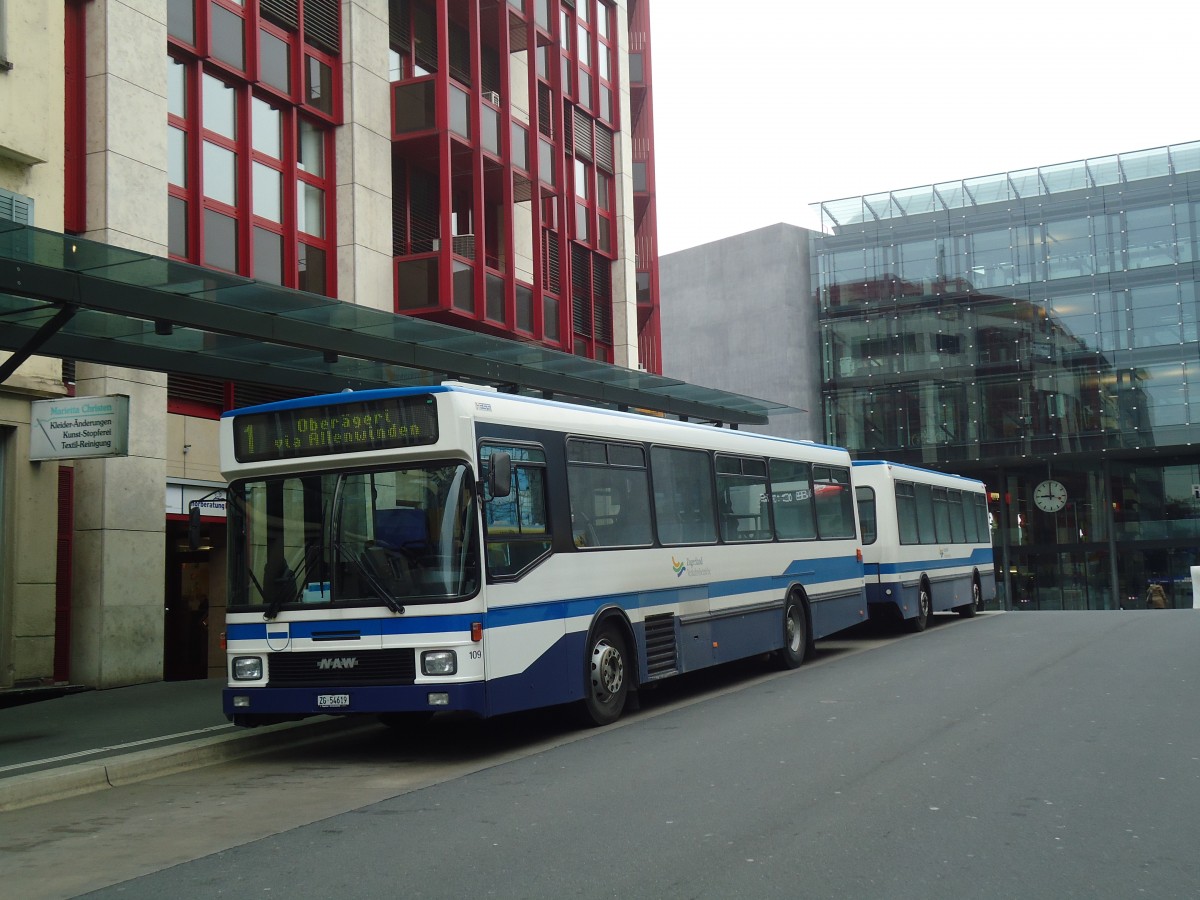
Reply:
x=795, y=635
x=606, y=675
x=920, y=621
x=976, y=603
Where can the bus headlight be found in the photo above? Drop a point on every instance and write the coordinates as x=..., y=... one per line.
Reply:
x=247, y=668
x=439, y=662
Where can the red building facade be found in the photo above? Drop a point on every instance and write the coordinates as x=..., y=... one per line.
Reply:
x=521, y=164
x=513, y=138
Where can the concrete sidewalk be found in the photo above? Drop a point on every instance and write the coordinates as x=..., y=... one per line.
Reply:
x=94, y=740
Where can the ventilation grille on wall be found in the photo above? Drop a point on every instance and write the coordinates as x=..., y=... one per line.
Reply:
x=422, y=211
x=321, y=25
x=604, y=148
x=545, y=123
x=460, y=54
x=16, y=207
x=399, y=31
x=582, y=137
x=281, y=12
x=581, y=293
x=602, y=314
x=425, y=44
x=551, y=278
x=464, y=245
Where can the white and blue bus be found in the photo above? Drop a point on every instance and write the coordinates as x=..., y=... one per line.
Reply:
x=454, y=548
x=927, y=542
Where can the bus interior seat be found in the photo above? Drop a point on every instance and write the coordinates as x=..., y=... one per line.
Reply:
x=403, y=528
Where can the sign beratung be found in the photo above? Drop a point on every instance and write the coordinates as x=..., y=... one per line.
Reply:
x=79, y=427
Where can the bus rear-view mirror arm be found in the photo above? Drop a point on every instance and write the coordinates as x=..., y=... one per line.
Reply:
x=194, y=517
x=499, y=474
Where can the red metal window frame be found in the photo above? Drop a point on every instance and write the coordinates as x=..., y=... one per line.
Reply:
x=585, y=63
x=75, y=117
x=247, y=86
x=64, y=573
x=606, y=43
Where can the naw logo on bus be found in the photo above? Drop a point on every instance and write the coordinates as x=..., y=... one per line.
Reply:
x=343, y=662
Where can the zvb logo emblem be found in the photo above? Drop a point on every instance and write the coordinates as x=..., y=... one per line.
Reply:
x=679, y=567
x=338, y=662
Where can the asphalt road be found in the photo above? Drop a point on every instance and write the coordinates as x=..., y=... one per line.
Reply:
x=1026, y=754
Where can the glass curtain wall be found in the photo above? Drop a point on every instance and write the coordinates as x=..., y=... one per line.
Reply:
x=1032, y=327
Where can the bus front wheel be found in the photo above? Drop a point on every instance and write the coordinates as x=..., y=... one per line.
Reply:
x=795, y=635
x=606, y=681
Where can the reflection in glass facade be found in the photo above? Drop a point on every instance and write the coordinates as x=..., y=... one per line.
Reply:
x=1031, y=326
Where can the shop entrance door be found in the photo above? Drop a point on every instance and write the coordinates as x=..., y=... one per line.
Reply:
x=185, y=608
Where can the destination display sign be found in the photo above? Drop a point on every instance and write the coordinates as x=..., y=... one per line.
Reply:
x=386, y=423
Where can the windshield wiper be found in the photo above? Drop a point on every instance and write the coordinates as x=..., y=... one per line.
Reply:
x=278, y=598
x=287, y=590
x=364, y=571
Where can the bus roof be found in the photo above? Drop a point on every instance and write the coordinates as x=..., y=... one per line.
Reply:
x=864, y=463
x=489, y=392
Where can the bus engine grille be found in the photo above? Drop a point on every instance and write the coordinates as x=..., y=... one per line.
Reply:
x=305, y=668
x=660, y=645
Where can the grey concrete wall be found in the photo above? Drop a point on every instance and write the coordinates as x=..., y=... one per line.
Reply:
x=738, y=315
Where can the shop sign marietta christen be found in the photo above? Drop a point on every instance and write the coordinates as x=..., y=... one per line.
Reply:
x=79, y=427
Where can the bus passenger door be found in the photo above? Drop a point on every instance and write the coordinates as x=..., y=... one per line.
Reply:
x=525, y=653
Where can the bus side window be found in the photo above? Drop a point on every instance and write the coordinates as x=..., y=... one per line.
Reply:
x=831, y=495
x=925, y=516
x=958, y=527
x=908, y=531
x=609, y=494
x=741, y=484
x=971, y=518
x=941, y=517
x=685, y=506
x=516, y=527
x=792, y=500
x=866, y=513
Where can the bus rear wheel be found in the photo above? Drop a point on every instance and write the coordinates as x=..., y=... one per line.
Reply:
x=920, y=621
x=976, y=603
x=606, y=681
x=795, y=635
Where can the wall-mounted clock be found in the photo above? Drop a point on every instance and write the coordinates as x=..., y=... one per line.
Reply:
x=1050, y=496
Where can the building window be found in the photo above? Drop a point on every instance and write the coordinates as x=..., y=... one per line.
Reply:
x=5, y=65
x=250, y=179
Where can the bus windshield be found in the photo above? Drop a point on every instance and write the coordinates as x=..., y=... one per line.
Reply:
x=387, y=536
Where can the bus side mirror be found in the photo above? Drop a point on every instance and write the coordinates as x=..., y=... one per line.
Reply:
x=499, y=476
x=194, y=528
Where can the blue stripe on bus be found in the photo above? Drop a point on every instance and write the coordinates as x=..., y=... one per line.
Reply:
x=834, y=569
x=980, y=557
x=255, y=631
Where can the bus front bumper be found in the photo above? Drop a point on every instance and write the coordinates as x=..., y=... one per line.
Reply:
x=262, y=705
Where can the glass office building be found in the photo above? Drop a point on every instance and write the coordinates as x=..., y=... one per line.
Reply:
x=1039, y=330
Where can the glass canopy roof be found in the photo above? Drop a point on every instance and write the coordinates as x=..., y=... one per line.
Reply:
x=72, y=298
x=1041, y=181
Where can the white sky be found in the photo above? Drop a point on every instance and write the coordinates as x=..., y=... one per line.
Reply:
x=762, y=107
